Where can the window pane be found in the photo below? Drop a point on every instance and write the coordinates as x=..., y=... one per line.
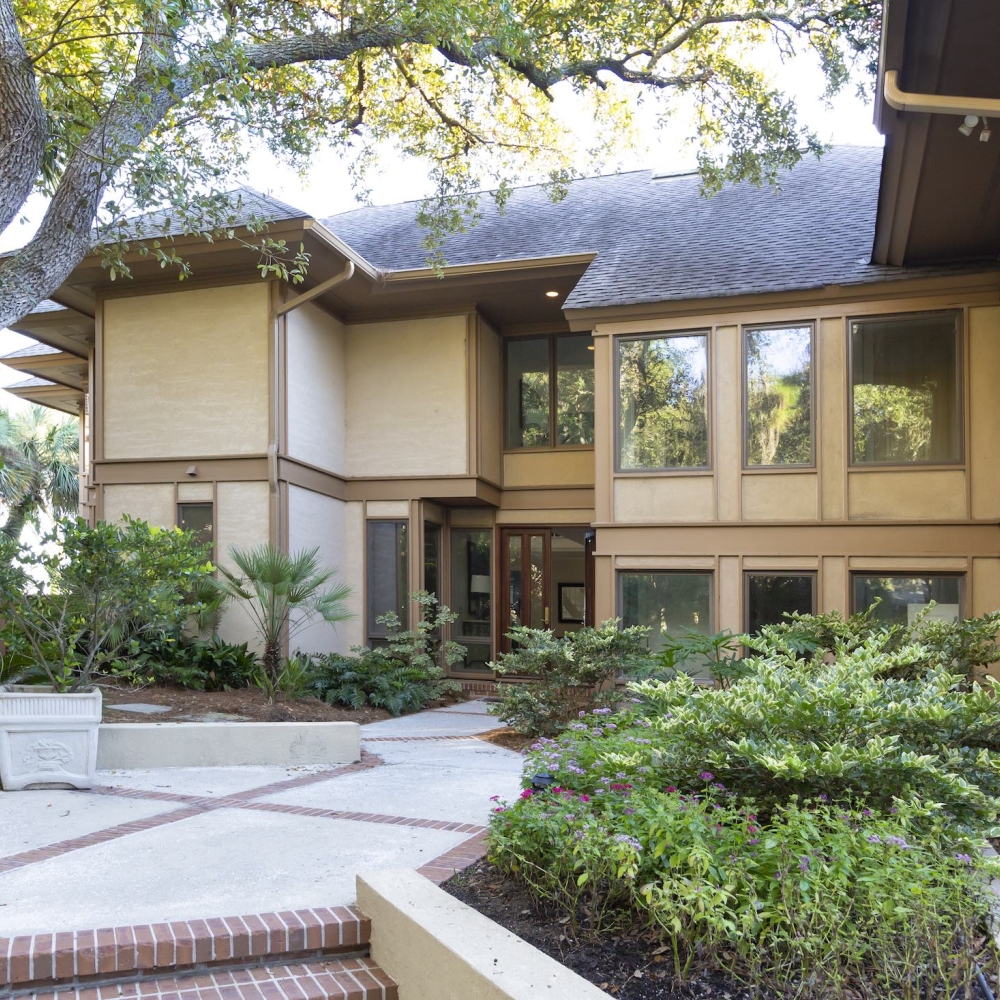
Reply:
x=669, y=603
x=663, y=403
x=196, y=517
x=387, y=573
x=472, y=594
x=574, y=390
x=432, y=558
x=516, y=596
x=779, y=396
x=905, y=383
x=904, y=597
x=528, y=393
x=770, y=596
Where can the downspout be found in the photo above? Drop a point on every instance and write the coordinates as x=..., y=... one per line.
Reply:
x=274, y=444
x=936, y=104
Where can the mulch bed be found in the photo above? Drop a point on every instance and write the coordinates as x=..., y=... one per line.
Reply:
x=510, y=739
x=243, y=704
x=625, y=967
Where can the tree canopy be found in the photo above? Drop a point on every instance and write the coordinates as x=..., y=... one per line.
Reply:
x=116, y=108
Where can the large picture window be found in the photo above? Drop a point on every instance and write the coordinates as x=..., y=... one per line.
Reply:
x=663, y=402
x=902, y=598
x=668, y=602
x=906, y=389
x=769, y=596
x=388, y=575
x=778, y=395
x=549, y=394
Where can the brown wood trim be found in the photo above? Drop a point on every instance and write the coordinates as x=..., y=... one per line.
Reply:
x=174, y=470
x=97, y=376
x=468, y=488
x=309, y=477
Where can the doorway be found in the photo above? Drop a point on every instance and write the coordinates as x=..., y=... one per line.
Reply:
x=545, y=580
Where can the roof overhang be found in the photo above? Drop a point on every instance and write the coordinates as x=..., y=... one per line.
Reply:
x=939, y=198
x=50, y=394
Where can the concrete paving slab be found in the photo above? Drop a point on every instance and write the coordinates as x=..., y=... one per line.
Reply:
x=141, y=708
x=202, y=780
x=432, y=724
x=40, y=817
x=473, y=755
x=417, y=788
x=464, y=708
x=228, y=861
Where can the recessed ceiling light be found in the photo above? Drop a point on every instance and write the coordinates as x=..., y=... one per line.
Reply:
x=552, y=295
x=590, y=347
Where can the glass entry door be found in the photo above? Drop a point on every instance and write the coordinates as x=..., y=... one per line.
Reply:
x=544, y=581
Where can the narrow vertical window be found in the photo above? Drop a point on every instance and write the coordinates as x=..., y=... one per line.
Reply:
x=778, y=395
x=574, y=390
x=472, y=594
x=663, y=402
x=527, y=402
x=388, y=574
x=906, y=389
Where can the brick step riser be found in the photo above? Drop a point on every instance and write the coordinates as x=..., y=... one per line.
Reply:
x=47, y=961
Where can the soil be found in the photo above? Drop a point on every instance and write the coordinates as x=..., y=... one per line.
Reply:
x=237, y=705
x=626, y=967
x=511, y=739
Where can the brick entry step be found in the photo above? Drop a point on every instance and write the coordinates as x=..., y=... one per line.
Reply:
x=292, y=955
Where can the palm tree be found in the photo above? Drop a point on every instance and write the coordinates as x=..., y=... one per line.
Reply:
x=39, y=467
x=283, y=594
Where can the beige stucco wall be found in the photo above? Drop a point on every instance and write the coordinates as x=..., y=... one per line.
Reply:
x=317, y=521
x=791, y=496
x=185, y=373
x=664, y=499
x=571, y=467
x=407, y=388
x=316, y=387
x=984, y=411
x=352, y=633
x=932, y=495
x=152, y=502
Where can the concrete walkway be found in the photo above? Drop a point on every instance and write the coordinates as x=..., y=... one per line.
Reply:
x=176, y=843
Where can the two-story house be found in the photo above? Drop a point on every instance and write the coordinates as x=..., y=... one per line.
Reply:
x=634, y=402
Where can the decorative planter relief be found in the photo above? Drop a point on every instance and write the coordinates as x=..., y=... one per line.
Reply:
x=48, y=738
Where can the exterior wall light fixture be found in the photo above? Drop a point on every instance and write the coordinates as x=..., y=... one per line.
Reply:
x=968, y=124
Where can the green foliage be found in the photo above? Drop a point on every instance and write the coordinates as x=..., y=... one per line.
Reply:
x=196, y=664
x=75, y=605
x=815, y=901
x=290, y=683
x=39, y=467
x=565, y=676
x=282, y=594
x=403, y=675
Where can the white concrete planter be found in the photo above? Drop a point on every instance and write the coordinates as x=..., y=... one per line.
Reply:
x=48, y=738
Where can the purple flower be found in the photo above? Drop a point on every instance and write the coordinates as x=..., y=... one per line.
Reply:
x=866, y=813
x=624, y=838
x=602, y=711
x=707, y=776
x=874, y=839
x=898, y=842
x=803, y=863
x=964, y=858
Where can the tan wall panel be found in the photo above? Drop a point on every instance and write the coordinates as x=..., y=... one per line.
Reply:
x=780, y=563
x=784, y=497
x=353, y=632
x=901, y=564
x=316, y=350
x=152, y=502
x=728, y=421
x=406, y=398
x=665, y=562
x=605, y=598
x=833, y=585
x=388, y=508
x=490, y=405
x=984, y=411
x=315, y=520
x=548, y=516
x=193, y=492
x=729, y=595
x=548, y=468
x=472, y=518
x=832, y=415
x=665, y=499
x=933, y=495
x=242, y=519
x=985, y=586
x=186, y=373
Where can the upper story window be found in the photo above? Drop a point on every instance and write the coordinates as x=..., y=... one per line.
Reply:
x=549, y=393
x=663, y=402
x=906, y=389
x=777, y=394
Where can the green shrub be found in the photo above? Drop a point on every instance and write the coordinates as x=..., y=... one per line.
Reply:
x=843, y=729
x=563, y=676
x=403, y=675
x=819, y=902
x=197, y=664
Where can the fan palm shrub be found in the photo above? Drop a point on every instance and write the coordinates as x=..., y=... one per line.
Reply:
x=283, y=594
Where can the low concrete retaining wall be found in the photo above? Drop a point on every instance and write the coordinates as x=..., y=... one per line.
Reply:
x=435, y=946
x=226, y=744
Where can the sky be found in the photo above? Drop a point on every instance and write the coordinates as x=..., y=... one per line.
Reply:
x=326, y=188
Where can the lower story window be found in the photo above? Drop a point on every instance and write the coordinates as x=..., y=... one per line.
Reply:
x=388, y=575
x=197, y=518
x=472, y=595
x=902, y=598
x=770, y=595
x=668, y=602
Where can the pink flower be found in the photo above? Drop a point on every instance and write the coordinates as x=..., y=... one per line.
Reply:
x=672, y=788
x=494, y=798
x=584, y=798
x=527, y=793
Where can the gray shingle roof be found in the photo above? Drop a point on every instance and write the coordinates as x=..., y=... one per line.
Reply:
x=31, y=351
x=657, y=239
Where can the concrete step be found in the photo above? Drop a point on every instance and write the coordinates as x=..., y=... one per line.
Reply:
x=40, y=962
x=332, y=979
